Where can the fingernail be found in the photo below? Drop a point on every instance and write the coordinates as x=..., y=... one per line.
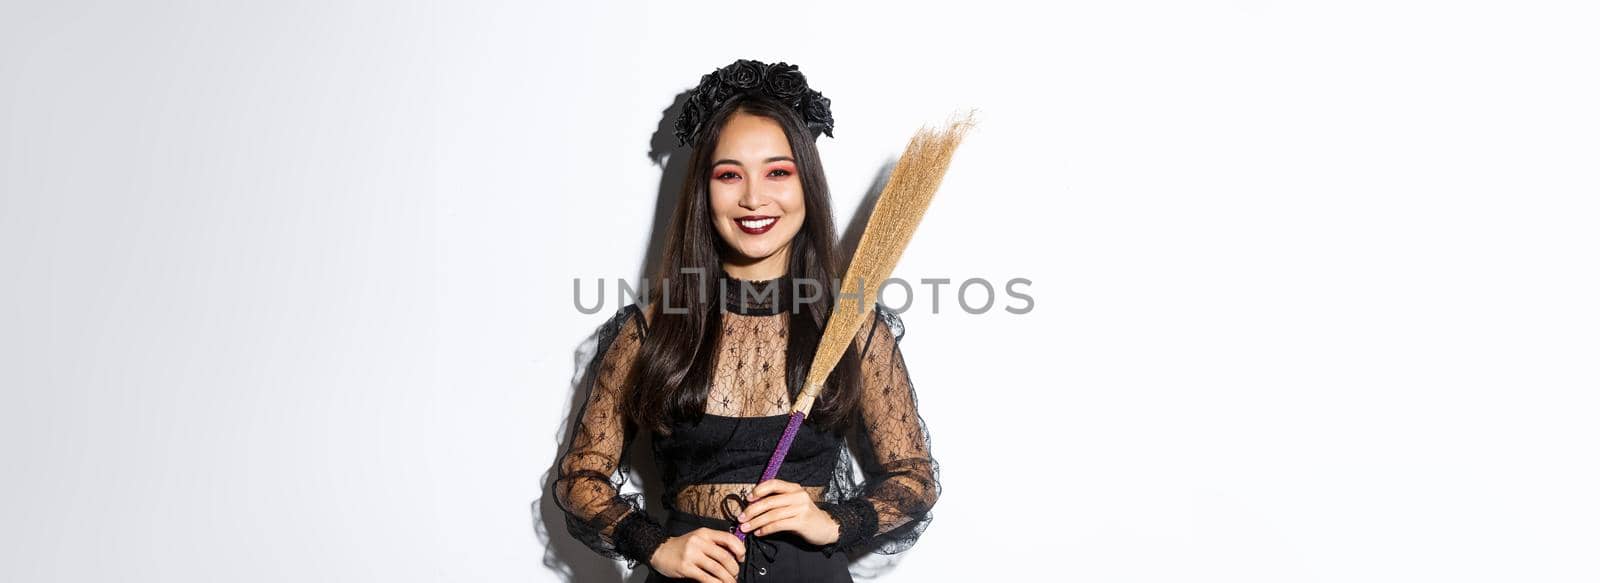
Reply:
x=741, y=517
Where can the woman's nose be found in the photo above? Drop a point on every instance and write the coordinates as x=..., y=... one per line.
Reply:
x=753, y=197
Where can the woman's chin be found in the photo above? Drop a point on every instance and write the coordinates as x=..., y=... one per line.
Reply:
x=748, y=257
x=753, y=254
x=752, y=249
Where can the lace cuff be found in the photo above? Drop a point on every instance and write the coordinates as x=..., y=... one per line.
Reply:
x=637, y=537
x=858, y=521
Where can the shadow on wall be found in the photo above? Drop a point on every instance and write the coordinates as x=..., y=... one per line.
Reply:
x=565, y=555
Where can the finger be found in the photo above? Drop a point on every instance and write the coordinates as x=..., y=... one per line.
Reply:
x=732, y=543
x=765, y=505
x=724, y=557
x=771, y=503
x=772, y=527
x=714, y=567
x=691, y=571
x=765, y=523
x=773, y=486
x=753, y=510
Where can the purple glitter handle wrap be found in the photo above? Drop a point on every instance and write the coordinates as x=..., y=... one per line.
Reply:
x=771, y=472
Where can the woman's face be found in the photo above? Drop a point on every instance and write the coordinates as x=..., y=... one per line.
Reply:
x=756, y=200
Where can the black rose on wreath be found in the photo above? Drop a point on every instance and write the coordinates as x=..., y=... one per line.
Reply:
x=742, y=74
x=781, y=82
x=818, y=113
x=689, y=121
x=713, y=91
x=784, y=81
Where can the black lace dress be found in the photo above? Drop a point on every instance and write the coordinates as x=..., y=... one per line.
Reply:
x=724, y=453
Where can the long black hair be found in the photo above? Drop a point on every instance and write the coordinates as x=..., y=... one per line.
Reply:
x=678, y=354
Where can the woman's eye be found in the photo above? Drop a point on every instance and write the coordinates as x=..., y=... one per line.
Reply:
x=784, y=172
x=727, y=174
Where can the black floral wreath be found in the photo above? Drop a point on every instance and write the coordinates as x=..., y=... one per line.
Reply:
x=780, y=81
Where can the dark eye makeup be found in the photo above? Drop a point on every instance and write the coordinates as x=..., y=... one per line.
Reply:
x=729, y=173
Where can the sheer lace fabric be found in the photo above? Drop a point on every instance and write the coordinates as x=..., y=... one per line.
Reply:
x=885, y=510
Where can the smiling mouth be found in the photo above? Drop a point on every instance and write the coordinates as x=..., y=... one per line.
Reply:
x=756, y=224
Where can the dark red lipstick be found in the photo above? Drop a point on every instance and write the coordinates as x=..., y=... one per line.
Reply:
x=765, y=222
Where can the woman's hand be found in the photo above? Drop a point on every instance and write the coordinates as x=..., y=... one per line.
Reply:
x=778, y=506
x=703, y=554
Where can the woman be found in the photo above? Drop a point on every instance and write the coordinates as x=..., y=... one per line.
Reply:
x=713, y=362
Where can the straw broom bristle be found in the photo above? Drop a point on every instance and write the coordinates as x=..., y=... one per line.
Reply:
x=905, y=198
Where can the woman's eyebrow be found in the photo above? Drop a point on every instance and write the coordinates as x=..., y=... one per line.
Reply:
x=736, y=162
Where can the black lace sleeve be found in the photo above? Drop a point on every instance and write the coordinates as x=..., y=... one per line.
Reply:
x=888, y=510
x=593, y=469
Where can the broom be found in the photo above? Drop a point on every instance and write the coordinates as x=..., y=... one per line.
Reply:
x=894, y=217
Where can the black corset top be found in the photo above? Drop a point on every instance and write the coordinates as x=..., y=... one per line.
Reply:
x=719, y=449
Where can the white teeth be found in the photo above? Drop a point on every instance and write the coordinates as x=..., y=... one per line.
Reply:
x=756, y=224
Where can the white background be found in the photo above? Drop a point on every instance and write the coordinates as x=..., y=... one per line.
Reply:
x=288, y=286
